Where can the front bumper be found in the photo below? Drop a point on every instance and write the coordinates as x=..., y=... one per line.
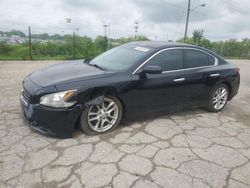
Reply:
x=53, y=122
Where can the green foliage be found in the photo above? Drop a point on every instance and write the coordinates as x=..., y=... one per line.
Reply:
x=61, y=47
x=46, y=36
x=123, y=40
x=14, y=52
x=13, y=32
x=228, y=49
x=197, y=36
x=101, y=43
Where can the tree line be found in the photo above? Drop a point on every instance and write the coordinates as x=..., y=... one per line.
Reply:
x=231, y=48
x=60, y=47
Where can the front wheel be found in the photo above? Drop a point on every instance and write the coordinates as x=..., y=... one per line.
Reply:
x=101, y=118
x=218, y=98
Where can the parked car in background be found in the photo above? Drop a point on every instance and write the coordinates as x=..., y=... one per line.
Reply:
x=132, y=80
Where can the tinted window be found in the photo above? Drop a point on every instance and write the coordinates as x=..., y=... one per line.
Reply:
x=168, y=60
x=194, y=58
x=211, y=60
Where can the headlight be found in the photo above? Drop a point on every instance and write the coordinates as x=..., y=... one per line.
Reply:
x=59, y=99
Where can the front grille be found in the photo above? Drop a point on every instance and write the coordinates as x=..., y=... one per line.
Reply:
x=25, y=97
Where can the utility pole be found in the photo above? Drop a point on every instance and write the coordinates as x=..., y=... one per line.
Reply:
x=30, y=49
x=105, y=30
x=136, y=27
x=108, y=37
x=74, y=43
x=221, y=49
x=77, y=31
x=105, y=35
x=186, y=28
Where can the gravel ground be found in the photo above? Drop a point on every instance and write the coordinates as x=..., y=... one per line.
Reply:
x=188, y=149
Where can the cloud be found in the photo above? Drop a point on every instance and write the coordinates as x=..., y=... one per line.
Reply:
x=165, y=19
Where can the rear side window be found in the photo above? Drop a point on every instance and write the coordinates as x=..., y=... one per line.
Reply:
x=195, y=58
x=211, y=60
x=168, y=60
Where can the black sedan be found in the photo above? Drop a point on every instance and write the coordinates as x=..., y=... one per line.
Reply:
x=137, y=79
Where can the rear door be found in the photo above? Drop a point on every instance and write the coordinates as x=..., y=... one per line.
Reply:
x=196, y=67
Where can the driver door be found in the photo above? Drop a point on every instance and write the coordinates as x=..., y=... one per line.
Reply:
x=157, y=93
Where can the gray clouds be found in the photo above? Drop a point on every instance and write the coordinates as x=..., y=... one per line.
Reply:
x=220, y=19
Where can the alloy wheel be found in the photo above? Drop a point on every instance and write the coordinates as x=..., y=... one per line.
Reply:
x=220, y=98
x=102, y=117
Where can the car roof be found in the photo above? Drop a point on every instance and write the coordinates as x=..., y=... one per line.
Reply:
x=159, y=44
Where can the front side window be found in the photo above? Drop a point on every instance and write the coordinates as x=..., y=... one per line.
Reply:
x=168, y=60
x=195, y=58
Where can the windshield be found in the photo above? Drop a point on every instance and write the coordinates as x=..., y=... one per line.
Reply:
x=120, y=58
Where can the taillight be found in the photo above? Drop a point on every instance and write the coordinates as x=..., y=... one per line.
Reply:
x=237, y=69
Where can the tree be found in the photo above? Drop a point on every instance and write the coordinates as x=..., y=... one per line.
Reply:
x=205, y=43
x=43, y=36
x=52, y=46
x=101, y=42
x=197, y=36
x=15, y=32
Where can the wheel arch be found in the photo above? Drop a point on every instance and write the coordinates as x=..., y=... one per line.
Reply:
x=228, y=84
x=229, y=89
x=94, y=93
x=115, y=93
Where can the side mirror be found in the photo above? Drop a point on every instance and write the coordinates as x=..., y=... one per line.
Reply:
x=154, y=69
x=87, y=60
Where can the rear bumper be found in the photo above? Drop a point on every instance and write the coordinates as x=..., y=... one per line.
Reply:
x=235, y=87
x=51, y=122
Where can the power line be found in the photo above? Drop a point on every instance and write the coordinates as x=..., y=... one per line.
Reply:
x=171, y=4
x=181, y=7
x=237, y=6
x=229, y=5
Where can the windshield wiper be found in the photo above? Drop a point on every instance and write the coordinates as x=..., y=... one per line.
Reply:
x=98, y=66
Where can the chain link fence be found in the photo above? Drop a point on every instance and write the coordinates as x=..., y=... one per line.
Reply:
x=16, y=45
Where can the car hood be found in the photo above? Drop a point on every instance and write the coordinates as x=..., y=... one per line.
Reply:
x=66, y=72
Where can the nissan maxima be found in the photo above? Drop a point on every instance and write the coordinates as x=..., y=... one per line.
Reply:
x=137, y=79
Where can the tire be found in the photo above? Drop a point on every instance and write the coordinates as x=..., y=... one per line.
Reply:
x=98, y=119
x=216, y=95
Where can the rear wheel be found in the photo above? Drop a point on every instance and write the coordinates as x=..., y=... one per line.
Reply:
x=102, y=118
x=218, y=98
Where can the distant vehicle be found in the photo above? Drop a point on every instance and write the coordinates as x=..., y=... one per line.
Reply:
x=130, y=81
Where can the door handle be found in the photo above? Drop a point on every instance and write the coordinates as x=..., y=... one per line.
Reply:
x=179, y=79
x=214, y=75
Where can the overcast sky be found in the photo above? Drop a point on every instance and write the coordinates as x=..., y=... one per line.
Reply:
x=220, y=19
